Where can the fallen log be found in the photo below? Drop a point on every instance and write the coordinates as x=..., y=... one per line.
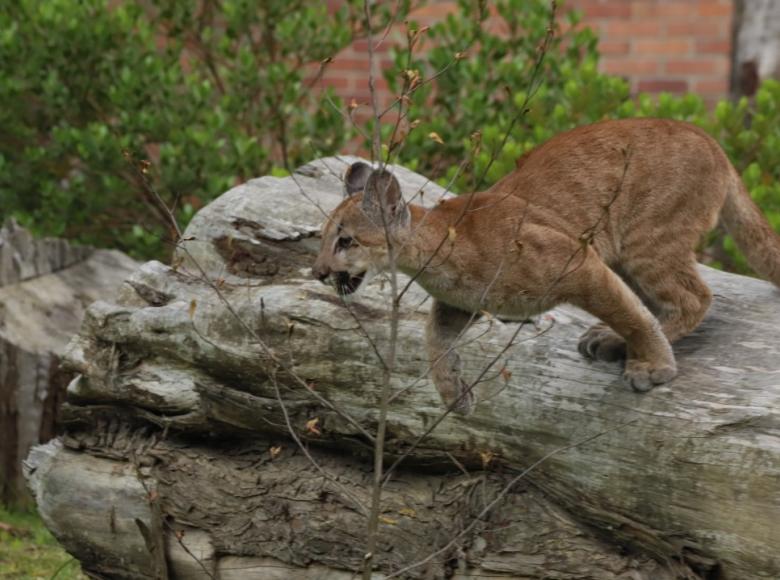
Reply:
x=45, y=286
x=195, y=380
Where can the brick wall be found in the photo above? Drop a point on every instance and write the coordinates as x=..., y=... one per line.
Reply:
x=664, y=45
x=658, y=45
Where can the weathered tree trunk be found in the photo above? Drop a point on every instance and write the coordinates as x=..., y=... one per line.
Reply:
x=756, y=45
x=45, y=286
x=179, y=462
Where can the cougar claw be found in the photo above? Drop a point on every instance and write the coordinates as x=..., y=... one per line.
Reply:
x=455, y=392
x=466, y=401
x=601, y=343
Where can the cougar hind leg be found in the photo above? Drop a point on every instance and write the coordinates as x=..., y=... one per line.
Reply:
x=676, y=295
x=597, y=289
x=679, y=296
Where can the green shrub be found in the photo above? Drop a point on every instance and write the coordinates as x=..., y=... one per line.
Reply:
x=211, y=93
x=215, y=93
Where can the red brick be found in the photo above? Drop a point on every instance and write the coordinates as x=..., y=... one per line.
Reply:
x=674, y=46
x=691, y=67
x=360, y=46
x=334, y=82
x=363, y=99
x=713, y=47
x=350, y=63
x=671, y=45
x=361, y=84
x=631, y=67
x=593, y=9
x=700, y=28
x=662, y=85
x=662, y=9
x=715, y=9
x=631, y=28
x=712, y=86
x=609, y=48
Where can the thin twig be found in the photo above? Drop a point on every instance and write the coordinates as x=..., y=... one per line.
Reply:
x=184, y=547
x=390, y=358
x=377, y=133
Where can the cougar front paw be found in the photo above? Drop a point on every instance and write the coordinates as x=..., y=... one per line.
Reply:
x=464, y=401
x=600, y=342
x=453, y=389
x=643, y=376
x=457, y=395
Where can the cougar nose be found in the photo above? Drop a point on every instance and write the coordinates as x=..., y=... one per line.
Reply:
x=321, y=273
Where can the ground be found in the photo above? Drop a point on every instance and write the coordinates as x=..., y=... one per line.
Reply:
x=29, y=551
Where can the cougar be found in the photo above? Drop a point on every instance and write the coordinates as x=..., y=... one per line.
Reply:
x=605, y=217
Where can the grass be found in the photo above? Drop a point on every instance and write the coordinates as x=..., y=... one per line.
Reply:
x=29, y=551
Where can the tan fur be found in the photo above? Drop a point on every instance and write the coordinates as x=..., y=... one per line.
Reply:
x=605, y=217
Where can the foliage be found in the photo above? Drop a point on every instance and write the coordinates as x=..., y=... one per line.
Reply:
x=30, y=551
x=485, y=92
x=212, y=93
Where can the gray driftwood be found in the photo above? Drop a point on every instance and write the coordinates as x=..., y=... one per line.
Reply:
x=178, y=461
x=45, y=286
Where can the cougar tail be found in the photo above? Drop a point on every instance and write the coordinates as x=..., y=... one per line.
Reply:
x=754, y=236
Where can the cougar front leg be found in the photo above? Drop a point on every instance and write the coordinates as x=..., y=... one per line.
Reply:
x=445, y=325
x=598, y=290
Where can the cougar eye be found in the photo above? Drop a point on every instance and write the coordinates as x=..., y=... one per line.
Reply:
x=345, y=242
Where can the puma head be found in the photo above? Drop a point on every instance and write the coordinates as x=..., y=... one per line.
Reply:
x=354, y=237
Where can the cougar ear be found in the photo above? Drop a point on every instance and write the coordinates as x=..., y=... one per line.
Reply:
x=382, y=196
x=355, y=177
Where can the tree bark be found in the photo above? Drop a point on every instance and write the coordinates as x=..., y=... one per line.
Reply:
x=755, y=45
x=176, y=418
